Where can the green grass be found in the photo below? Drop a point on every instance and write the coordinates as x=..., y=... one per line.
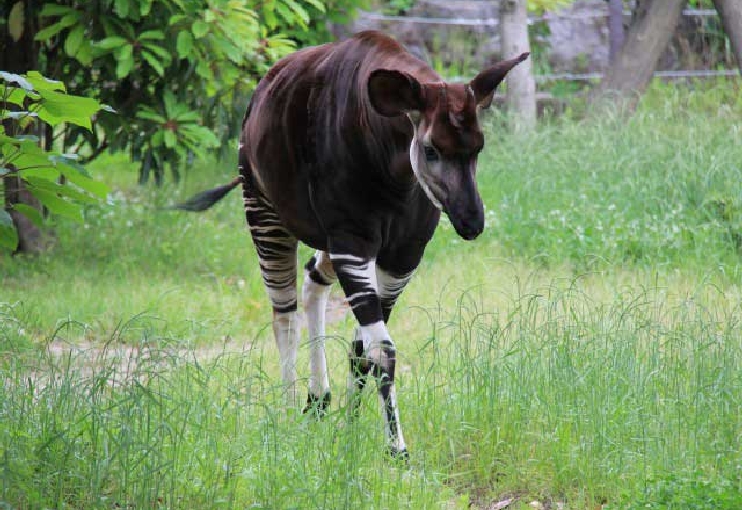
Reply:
x=584, y=351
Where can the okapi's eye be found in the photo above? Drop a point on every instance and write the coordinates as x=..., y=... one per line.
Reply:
x=430, y=153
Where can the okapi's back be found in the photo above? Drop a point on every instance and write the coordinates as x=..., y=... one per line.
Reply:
x=316, y=102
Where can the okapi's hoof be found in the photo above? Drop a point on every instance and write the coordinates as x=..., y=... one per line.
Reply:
x=318, y=405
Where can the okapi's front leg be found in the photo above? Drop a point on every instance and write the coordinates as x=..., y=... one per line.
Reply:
x=373, y=349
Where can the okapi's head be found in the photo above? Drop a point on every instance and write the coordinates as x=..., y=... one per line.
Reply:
x=447, y=137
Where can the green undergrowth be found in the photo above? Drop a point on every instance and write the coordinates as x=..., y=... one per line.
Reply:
x=558, y=396
x=661, y=187
x=583, y=352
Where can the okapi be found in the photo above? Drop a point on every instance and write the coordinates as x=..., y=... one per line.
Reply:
x=354, y=148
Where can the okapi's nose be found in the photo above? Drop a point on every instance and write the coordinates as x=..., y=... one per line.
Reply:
x=467, y=218
x=466, y=210
x=470, y=227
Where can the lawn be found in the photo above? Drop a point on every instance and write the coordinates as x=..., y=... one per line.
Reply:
x=585, y=352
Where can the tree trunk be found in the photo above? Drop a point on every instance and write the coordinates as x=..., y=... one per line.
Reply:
x=615, y=28
x=649, y=34
x=730, y=12
x=18, y=55
x=521, y=92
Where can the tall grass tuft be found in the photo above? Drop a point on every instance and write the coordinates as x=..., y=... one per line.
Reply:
x=583, y=353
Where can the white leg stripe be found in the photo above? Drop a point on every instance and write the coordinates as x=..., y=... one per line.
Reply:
x=375, y=337
x=397, y=441
x=314, y=296
x=286, y=330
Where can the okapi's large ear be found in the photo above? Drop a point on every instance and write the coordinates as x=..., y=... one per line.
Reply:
x=484, y=84
x=393, y=92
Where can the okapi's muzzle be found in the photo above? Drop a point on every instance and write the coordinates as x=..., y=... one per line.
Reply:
x=466, y=211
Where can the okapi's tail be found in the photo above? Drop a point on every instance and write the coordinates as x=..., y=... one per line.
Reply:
x=202, y=201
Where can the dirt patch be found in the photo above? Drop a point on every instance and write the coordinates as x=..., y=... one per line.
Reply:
x=119, y=363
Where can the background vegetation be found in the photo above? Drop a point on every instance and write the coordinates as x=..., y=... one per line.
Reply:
x=583, y=353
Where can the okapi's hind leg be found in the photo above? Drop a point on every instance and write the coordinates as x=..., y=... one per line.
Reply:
x=276, y=249
x=318, y=279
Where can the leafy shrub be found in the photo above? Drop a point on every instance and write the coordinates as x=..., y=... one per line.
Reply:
x=35, y=99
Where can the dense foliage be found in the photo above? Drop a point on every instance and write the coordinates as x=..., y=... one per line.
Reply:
x=56, y=180
x=178, y=72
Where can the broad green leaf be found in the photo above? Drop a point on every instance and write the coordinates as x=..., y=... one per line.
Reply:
x=177, y=18
x=70, y=19
x=51, y=9
x=168, y=98
x=74, y=40
x=31, y=213
x=47, y=172
x=317, y=4
x=170, y=139
x=199, y=28
x=157, y=141
x=200, y=134
x=184, y=44
x=8, y=234
x=150, y=115
x=270, y=18
x=159, y=51
x=60, y=190
x=57, y=108
x=85, y=183
x=121, y=7
x=152, y=35
x=85, y=53
x=124, y=66
x=28, y=154
x=145, y=6
x=188, y=116
x=42, y=83
x=110, y=43
x=125, y=52
x=55, y=204
x=9, y=148
x=49, y=32
x=152, y=61
x=298, y=9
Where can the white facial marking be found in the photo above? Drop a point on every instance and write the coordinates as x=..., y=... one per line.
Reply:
x=420, y=166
